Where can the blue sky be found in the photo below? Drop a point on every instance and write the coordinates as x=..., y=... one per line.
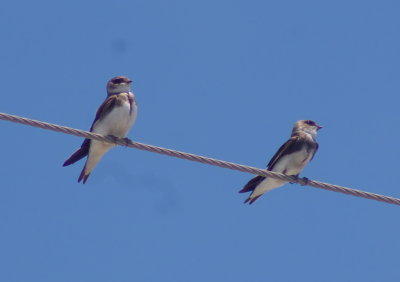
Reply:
x=224, y=79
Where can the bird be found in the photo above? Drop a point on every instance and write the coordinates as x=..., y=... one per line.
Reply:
x=114, y=117
x=290, y=159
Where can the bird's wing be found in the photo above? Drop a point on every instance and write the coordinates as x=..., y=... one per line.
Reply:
x=104, y=109
x=290, y=146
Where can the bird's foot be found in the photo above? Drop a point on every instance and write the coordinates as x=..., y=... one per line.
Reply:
x=127, y=141
x=113, y=138
x=295, y=176
x=304, y=181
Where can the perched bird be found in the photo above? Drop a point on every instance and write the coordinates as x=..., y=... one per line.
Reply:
x=114, y=117
x=290, y=159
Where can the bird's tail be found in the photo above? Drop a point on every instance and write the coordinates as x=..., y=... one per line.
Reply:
x=84, y=176
x=251, y=200
x=97, y=151
x=250, y=186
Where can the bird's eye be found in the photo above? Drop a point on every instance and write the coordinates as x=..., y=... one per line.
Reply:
x=117, y=80
x=310, y=122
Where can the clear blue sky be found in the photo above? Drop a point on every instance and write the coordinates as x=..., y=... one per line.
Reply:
x=225, y=79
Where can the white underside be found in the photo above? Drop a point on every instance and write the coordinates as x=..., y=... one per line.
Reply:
x=118, y=122
x=291, y=164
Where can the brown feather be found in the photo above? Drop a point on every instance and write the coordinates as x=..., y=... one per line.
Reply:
x=82, y=152
x=252, y=184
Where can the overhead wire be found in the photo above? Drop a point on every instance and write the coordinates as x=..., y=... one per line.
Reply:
x=192, y=157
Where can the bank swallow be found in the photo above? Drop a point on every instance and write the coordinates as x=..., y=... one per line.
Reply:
x=290, y=159
x=114, y=117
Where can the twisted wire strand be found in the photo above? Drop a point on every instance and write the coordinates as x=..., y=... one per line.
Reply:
x=192, y=157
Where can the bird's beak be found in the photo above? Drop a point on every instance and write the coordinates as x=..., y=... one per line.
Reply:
x=319, y=127
x=129, y=81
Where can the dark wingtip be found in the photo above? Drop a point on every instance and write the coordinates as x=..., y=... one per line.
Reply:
x=72, y=159
x=82, y=152
x=252, y=184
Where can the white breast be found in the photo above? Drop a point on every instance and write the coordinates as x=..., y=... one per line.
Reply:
x=117, y=122
x=293, y=164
